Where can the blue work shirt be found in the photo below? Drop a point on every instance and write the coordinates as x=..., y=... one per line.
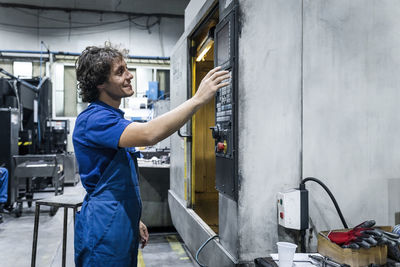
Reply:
x=96, y=136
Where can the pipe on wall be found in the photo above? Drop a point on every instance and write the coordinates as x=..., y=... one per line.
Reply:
x=75, y=54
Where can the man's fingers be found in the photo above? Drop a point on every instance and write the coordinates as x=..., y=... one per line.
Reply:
x=222, y=78
x=218, y=74
x=144, y=234
x=220, y=85
x=211, y=72
x=144, y=242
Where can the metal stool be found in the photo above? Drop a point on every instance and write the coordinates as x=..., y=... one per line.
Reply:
x=63, y=201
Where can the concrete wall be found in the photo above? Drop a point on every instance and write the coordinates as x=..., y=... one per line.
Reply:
x=351, y=107
x=191, y=11
x=350, y=113
x=269, y=117
x=157, y=41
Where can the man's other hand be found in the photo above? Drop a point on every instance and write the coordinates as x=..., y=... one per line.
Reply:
x=144, y=234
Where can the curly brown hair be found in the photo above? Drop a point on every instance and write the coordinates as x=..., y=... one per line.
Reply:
x=93, y=68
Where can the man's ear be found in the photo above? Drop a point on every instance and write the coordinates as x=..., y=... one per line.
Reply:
x=100, y=86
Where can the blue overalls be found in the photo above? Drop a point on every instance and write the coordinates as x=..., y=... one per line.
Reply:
x=107, y=227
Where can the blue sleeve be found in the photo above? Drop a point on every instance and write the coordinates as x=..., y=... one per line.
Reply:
x=104, y=128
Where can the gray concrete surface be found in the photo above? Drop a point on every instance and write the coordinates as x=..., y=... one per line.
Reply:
x=351, y=109
x=16, y=235
x=269, y=118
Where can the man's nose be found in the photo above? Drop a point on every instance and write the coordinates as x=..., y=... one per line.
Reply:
x=130, y=75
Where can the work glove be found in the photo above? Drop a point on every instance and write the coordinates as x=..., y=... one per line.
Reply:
x=363, y=235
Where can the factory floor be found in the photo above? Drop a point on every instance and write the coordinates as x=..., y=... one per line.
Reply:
x=164, y=248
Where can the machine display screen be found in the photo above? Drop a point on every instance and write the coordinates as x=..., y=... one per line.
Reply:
x=223, y=47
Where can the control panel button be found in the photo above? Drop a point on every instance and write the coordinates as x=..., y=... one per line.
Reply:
x=216, y=131
x=220, y=146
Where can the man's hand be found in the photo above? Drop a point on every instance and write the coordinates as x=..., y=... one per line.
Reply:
x=143, y=233
x=214, y=79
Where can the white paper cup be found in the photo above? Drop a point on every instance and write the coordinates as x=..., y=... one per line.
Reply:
x=286, y=252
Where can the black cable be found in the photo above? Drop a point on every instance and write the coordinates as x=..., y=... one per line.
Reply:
x=137, y=25
x=201, y=247
x=53, y=19
x=144, y=27
x=330, y=195
x=63, y=28
x=98, y=11
x=303, y=241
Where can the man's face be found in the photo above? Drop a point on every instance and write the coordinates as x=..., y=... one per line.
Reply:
x=118, y=84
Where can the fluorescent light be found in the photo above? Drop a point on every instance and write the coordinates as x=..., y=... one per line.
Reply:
x=203, y=52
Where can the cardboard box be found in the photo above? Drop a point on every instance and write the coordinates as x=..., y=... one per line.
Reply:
x=352, y=257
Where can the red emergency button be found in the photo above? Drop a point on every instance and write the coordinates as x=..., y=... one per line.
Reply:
x=281, y=215
x=220, y=146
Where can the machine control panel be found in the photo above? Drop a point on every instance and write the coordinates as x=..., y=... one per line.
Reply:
x=224, y=131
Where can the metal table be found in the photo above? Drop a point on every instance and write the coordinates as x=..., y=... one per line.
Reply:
x=63, y=201
x=31, y=166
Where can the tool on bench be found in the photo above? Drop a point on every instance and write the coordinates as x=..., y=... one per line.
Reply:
x=325, y=261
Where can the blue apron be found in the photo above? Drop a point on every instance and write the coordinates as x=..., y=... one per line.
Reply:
x=107, y=226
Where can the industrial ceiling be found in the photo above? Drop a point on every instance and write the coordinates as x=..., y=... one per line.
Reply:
x=162, y=7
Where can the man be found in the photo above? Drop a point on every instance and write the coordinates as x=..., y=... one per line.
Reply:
x=108, y=227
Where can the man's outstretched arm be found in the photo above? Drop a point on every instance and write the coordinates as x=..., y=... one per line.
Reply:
x=150, y=133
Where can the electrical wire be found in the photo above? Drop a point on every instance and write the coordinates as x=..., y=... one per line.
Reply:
x=118, y=4
x=63, y=28
x=83, y=25
x=144, y=27
x=201, y=247
x=303, y=241
x=53, y=19
x=66, y=34
x=25, y=28
x=302, y=184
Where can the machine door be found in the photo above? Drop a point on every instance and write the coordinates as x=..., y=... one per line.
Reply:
x=225, y=129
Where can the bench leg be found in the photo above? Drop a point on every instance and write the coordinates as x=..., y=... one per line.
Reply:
x=65, y=236
x=35, y=235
